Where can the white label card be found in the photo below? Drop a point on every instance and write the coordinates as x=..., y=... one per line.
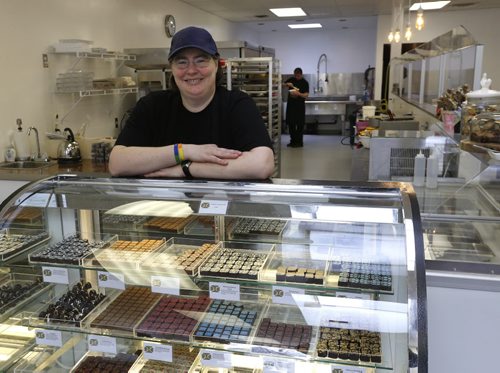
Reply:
x=284, y=295
x=216, y=359
x=274, y=365
x=157, y=351
x=347, y=369
x=101, y=343
x=208, y=207
x=55, y=275
x=223, y=291
x=165, y=285
x=111, y=280
x=48, y=337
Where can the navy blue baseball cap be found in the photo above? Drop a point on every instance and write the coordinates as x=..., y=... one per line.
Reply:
x=193, y=37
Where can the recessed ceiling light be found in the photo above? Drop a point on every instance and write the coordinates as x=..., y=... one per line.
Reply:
x=288, y=12
x=261, y=16
x=307, y=25
x=430, y=5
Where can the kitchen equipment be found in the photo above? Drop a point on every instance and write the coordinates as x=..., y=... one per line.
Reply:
x=69, y=150
x=21, y=142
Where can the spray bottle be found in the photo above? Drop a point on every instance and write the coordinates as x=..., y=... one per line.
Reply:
x=432, y=171
x=419, y=170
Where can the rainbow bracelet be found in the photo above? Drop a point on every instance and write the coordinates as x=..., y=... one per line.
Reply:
x=178, y=153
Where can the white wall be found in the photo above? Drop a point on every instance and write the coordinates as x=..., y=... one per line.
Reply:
x=347, y=51
x=480, y=23
x=28, y=27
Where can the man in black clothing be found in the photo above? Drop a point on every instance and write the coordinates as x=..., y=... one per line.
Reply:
x=197, y=128
x=298, y=91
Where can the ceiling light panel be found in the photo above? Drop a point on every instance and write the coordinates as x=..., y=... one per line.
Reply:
x=306, y=25
x=288, y=12
x=432, y=5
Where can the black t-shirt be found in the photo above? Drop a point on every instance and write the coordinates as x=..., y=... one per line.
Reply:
x=303, y=86
x=231, y=120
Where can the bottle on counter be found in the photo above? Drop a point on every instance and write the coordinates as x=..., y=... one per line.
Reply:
x=21, y=142
x=432, y=171
x=419, y=170
x=10, y=153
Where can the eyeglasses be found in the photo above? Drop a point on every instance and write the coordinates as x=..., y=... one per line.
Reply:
x=201, y=62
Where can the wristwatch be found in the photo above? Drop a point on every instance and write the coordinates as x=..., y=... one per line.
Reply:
x=185, y=168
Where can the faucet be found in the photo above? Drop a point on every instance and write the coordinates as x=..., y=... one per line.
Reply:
x=39, y=153
x=318, y=88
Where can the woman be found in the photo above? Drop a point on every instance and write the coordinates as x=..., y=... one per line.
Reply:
x=197, y=128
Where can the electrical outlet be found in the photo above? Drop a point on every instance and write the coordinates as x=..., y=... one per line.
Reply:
x=45, y=60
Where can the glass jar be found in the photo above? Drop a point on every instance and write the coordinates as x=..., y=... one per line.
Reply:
x=481, y=115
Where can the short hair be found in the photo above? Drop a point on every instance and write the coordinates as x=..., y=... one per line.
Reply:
x=297, y=70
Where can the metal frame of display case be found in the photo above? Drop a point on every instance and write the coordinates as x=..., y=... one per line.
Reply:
x=350, y=221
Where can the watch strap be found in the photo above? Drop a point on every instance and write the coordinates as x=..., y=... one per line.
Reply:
x=185, y=168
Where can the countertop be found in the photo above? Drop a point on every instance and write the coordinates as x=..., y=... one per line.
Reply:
x=85, y=168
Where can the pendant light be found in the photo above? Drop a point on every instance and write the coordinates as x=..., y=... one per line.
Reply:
x=397, y=36
x=390, y=37
x=408, y=25
x=419, y=24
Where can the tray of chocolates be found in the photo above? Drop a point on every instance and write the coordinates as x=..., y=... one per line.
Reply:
x=122, y=254
x=99, y=362
x=12, y=244
x=183, y=361
x=173, y=318
x=284, y=327
x=118, y=222
x=243, y=261
x=180, y=256
x=349, y=344
x=295, y=270
x=69, y=251
x=167, y=224
x=24, y=217
x=17, y=290
x=71, y=308
x=254, y=229
x=123, y=312
x=201, y=226
x=226, y=322
x=358, y=275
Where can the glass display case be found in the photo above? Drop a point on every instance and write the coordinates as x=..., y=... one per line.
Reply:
x=203, y=276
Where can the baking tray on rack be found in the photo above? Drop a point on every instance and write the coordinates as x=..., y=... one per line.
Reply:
x=13, y=244
x=179, y=256
x=237, y=260
x=18, y=290
x=123, y=254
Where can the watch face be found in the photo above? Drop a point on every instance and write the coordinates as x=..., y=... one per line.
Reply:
x=169, y=25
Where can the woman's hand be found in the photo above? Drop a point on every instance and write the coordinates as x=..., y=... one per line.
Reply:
x=209, y=153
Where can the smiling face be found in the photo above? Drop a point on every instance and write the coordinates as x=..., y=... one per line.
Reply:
x=194, y=73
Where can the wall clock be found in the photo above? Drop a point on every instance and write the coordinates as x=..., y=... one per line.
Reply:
x=169, y=25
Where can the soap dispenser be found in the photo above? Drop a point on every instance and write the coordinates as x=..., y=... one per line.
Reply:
x=21, y=142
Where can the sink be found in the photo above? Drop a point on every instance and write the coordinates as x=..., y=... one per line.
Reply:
x=21, y=165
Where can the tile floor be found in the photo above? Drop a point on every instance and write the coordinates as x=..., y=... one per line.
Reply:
x=323, y=157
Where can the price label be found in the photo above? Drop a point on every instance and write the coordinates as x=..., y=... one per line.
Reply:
x=346, y=369
x=208, y=207
x=101, y=343
x=157, y=351
x=111, y=280
x=55, y=275
x=48, y=337
x=274, y=365
x=216, y=359
x=284, y=295
x=165, y=285
x=223, y=291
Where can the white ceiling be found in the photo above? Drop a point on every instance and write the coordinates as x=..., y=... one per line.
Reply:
x=332, y=14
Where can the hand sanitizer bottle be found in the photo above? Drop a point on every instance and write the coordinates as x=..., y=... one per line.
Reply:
x=432, y=171
x=419, y=170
